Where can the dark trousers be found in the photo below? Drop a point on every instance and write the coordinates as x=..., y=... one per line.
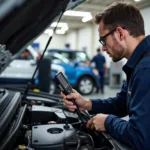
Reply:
x=101, y=81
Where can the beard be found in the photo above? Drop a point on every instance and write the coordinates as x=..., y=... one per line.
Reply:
x=118, y=51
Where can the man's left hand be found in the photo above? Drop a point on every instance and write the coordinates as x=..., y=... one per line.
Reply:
x=98, y=122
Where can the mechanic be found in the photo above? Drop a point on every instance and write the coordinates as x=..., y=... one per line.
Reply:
x=100, y=65
x=122, y=34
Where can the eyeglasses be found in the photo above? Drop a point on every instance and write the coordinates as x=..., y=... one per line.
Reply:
x=102, y=39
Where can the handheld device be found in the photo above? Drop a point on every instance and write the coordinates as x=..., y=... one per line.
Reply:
x=66, y=88
x=63, y=84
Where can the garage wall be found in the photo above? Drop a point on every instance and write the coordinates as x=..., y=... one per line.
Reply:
x=84, y=37
x=145, y=13
x=71, y=38
x=58, y=41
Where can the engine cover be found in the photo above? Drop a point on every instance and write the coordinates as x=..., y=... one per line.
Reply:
x=53, y=137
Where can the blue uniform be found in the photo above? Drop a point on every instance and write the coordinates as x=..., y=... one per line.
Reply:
x=132, y=100
x=99, y=61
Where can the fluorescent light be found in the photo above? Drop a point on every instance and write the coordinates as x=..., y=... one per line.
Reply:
x=76, y=13
x=60, y=31
x=137, y=0
x=60, y=24
x=87, y=18
x=63, y=27
x=86, y=15
x=49, y=32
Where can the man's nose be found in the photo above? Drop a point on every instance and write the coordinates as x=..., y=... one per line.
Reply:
x=104, y=48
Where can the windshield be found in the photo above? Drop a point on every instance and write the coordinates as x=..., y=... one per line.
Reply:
x=81, y=57
x=59, y=59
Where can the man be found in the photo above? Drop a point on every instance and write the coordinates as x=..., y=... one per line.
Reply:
x=25, y=55
x=100, y=65
x=121, y=30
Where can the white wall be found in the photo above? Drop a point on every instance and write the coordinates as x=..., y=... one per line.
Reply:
x=58, y=41
x=145, y=13
x=71, y=38
x=84, y=38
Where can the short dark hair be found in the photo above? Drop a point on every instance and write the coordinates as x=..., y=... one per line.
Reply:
x=124, y=15
x=98, y=49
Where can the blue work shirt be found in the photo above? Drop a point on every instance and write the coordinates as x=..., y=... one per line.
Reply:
x=99, y=61
x=132, y=100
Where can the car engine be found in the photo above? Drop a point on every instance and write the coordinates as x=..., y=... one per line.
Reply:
x=41, y=122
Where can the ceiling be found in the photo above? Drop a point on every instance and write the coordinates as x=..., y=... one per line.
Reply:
x=95, y=6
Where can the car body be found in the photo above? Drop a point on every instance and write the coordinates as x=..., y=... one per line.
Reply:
x=20, y=71
x=80, y=75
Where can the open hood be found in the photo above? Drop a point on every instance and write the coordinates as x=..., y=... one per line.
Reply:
x=21, y=21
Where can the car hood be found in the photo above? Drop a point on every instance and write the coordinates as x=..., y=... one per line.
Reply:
x=29, y=19
x=21, y=21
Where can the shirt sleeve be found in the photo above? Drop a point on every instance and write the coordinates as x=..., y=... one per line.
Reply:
x=115, y=106
x=136, y=131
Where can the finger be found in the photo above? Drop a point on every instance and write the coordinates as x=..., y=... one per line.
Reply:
x=92, y=126
x=96, y=128
x=69, y=103
x=74, y=91
x=72, y=110
x=63, y=95
x=71, y=107
x=89, y=123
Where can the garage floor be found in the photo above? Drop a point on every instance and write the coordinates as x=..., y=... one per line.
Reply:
x=109, y=92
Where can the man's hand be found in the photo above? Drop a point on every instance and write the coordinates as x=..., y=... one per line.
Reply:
x=97, y=122
x=82, y=103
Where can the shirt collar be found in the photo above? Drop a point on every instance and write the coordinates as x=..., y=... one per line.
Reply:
x=141, y=49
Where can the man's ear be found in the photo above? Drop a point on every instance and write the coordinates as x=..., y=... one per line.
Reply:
x=121, y=33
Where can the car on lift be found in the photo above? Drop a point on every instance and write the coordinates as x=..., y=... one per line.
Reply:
x=80, y=75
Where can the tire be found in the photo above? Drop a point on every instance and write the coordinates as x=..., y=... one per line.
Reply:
x=85, y=85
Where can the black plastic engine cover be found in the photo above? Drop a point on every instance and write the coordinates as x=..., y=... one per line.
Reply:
x=53, y=137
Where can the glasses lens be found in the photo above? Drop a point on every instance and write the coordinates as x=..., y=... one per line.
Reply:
x=102, y=41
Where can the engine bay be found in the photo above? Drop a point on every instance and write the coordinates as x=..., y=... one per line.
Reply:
x=42, y=122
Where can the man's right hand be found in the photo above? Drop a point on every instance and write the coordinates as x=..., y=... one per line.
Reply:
x=82, y=103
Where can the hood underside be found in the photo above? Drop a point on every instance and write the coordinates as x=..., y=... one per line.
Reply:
x=24, y=23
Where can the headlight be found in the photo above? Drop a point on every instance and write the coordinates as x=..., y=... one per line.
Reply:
x=95, y=71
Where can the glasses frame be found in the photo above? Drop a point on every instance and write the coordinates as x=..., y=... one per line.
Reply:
x=102, y=39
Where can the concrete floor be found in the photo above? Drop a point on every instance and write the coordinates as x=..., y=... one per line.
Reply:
x=109, y=92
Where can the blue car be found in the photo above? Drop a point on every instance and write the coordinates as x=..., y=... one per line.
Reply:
x=80, y=75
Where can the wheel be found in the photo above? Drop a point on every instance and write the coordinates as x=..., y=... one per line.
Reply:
x=85, y=85
x=52, y=87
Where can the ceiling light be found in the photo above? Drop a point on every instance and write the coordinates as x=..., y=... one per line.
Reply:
x=76, y=13
x=60, y=24
x=86, y=15
x=49, y=32
x=87, y=18
x=137, y=0
x=60, y=31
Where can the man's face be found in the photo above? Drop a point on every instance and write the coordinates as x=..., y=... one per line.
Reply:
x=112, y=45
